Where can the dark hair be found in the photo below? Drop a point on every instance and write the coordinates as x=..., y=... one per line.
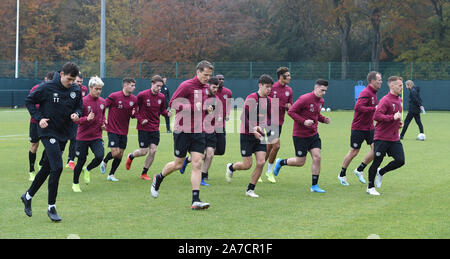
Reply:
x=265, y=79
x=281, y=71
x=128, y=80
x=157, y=78
x=322, y=82
x=71, y=69
x=80, y=75
x=214, y=80
x=204, y=64
x=372, y=76
x=50, y=75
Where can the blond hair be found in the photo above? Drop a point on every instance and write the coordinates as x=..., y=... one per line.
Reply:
x=95, y=80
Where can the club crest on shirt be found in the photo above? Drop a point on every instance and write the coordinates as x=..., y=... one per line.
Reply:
x=287, y=93
x=393, y=106
x=131, y=103
x=120, y=106
x=73, y=95
x=102, y=106
x=274, y=94
x=373, y=100
x=148, y=102
x=159, y=101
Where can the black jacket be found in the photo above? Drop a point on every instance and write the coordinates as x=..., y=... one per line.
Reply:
x=165, y=91
x=414, y=100
x=56, y=103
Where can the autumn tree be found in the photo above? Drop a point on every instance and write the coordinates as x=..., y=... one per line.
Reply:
x=172, y=30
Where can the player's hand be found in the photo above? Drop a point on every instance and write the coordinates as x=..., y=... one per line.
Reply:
x=74, y=117
x=144, y=122
x=308, y=123
x=397, y=115
x=258, y=133
x=401, y=124
x=103, y=126
x=210, y=109
x=91, y=116
x=169, y=114
x=43, y=123
x=327, y=120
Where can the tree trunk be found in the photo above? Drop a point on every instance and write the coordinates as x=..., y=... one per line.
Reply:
x=375, y=19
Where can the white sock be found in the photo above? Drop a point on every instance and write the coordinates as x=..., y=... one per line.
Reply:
x=50, y=206
x=28, y=196
x=269, y=167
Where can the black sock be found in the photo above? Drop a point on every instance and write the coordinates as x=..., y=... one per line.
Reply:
x=159, y=177
x=204, y=175
x=115, y=165
x=250, y=187
x=231, y=168
x=144, y=170
x=315, y=179
x=131, y=156
x=283, y=162
x=32, y=159
x=195, y=195
x=361, y=167
x=343, y=171
x=107, y=157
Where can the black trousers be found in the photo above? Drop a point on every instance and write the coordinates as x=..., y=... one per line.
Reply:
x=381, y=148
x=52, y=166
x=167, y=123
x=97, y=147
x=408, y=119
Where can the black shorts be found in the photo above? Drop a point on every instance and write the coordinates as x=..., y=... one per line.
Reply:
x=221, y=143
x=117, y=141
x=188, y=142
x=250, y=145
x=211, y=140
x=146, y=138
x=34, y=137
x=303, y=145
x=357, y=137
x=392, y=148
x=96, y=145
x=274, y=134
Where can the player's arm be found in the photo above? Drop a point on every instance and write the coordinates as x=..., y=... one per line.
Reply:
x=34, y=98
x=381, y=112
x=294, y=111
x=363, y=104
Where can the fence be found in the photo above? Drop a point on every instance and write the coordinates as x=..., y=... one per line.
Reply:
x=238, y=70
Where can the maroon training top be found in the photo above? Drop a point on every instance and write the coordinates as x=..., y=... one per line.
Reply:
x=188, y=101
x=387, y=128
x=364, y=109
x=284, y=95
x=256, y=112
x=307, y=107
x=120, y=112
x=151, y=106
x=91, y=130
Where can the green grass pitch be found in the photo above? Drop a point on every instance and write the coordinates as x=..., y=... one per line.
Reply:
x=414, y=201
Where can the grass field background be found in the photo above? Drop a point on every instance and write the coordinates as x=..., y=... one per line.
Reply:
x=414, y=201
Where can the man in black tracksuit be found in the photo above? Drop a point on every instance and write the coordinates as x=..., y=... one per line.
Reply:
x=165, y=91
x=61, y=104
x=415, y=106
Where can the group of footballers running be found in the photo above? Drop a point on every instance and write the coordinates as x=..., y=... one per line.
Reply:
x=202, y=106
